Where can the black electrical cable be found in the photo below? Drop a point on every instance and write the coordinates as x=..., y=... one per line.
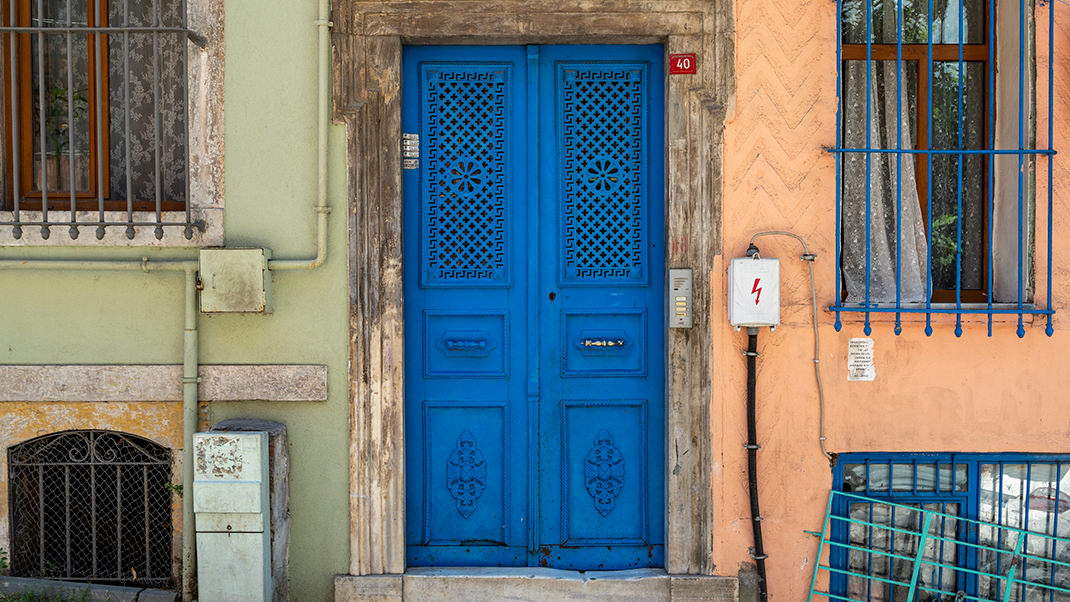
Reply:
x=752, y=461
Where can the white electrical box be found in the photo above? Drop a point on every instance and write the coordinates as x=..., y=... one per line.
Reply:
x=230, y=503
x=753, y=292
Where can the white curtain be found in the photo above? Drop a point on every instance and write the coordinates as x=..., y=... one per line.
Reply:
x=887, y=177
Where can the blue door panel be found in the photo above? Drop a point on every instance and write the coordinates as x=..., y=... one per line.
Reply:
x=601, y=412
x=602, y=135
x=603, y=478
x=603, y=343
x=465, y=345
x=471, y=482
x=534, y=306
x=465, y=111
x=466, y=418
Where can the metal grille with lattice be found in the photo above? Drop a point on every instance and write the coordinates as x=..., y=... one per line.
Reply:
x=602, y=139
x=465, y=108
x=91, y=505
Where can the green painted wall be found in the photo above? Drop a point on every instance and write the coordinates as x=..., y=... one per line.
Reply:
x=135, y=318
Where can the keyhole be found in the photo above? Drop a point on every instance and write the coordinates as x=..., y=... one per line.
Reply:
x=553, y=296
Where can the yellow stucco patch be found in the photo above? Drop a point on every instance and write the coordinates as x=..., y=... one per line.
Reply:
x=21, y=421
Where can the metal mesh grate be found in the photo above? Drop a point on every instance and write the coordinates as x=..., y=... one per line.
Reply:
x=603, y=133
x=91, y=505
x=465, y=209
x=947, y=527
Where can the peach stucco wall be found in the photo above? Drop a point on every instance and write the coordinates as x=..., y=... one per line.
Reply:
x=938, y=393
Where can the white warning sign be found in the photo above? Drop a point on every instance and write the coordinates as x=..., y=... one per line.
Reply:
x=860, y=360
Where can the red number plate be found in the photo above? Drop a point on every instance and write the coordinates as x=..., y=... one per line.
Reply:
x=682, y=63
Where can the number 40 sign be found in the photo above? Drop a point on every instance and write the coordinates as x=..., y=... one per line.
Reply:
x=682, y=63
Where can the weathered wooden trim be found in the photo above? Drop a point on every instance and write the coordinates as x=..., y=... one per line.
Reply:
x=263, y=382
x=377, y=495
x=368, y=37
x=534, y=28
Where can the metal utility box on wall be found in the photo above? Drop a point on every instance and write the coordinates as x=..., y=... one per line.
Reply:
x=279, y=493
x=230, y=502
x=235, y=281
x=753, y=292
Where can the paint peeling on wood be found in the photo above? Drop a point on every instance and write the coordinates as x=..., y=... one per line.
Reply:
x=367, y=37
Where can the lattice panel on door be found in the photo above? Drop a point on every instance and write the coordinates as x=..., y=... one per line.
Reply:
x=602, y=119
x=465, y=108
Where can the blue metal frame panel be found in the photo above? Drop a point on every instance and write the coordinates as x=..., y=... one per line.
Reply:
x=969, y=501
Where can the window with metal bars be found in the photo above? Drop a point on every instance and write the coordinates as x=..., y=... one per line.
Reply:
x=91, y=506
x=876, y=551
x=937, y=152
x=95, y=115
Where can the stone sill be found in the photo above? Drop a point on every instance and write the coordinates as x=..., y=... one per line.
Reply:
x=133, y=383
x=533, y=584
x=114, y=236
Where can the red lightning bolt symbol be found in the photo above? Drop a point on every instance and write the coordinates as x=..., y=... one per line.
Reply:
x=757, y=290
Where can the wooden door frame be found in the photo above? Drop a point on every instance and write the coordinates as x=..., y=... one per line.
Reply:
x=368, y=37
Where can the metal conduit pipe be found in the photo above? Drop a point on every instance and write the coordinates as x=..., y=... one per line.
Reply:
x=190, y=402
x=758, y=553
x=114, y=265
x=324, y=25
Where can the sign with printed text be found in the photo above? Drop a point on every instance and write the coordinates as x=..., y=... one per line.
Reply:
x=860, y=365
x=682, y=63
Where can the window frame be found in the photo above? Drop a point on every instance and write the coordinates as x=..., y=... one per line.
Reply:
x=1013, y=257
x=161, y=220
x=941, y=53
x=970, y=501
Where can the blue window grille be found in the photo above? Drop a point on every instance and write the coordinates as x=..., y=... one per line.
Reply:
x=937, y=154
x=946, y=527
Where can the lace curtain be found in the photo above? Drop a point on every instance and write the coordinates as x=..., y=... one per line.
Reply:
x=891, y=178
x=137, y=79
x=138, y=76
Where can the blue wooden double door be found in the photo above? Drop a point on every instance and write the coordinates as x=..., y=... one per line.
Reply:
x=534, y=306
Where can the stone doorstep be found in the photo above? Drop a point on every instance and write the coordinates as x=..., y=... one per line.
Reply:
x=534, y=585
x=96, y=592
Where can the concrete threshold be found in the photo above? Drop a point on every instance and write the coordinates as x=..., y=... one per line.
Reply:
x=533, y=584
